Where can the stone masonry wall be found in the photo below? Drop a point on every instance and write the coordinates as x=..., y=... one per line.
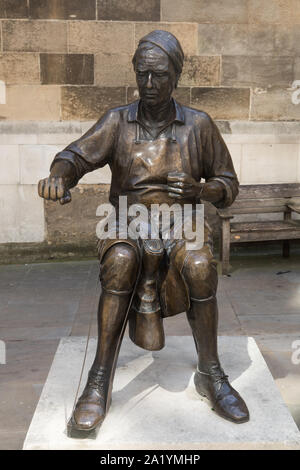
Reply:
x=71, y=59
x=63, y=63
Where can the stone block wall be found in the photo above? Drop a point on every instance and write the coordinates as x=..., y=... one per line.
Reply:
x=71, y=59
x=63, y=63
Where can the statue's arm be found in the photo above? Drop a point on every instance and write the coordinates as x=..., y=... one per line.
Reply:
x=221, y=183
x=92, y=151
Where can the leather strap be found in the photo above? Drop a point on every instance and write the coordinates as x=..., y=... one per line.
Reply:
x=203, y=300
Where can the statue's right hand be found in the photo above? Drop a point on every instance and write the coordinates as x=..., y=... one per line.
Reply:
x=54, y=188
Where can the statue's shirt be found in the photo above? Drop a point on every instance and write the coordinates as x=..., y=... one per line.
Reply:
x=191, y=143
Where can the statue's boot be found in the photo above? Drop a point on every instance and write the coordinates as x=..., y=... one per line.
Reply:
x=210, y=379
x=95, y=400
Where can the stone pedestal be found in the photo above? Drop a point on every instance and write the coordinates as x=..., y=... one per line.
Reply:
x=155, y=405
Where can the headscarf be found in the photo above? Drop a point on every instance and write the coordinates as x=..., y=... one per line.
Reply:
x=168, y=43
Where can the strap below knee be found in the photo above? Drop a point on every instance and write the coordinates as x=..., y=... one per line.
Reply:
x=117, y=292
x=207, y=299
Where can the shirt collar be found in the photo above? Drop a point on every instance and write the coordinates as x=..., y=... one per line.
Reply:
x=133, y=112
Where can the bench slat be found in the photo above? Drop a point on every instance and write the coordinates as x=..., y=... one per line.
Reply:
x=262, y=226
x=261, y=191
x=264, y=236
x=274, y=201
x=258, y=210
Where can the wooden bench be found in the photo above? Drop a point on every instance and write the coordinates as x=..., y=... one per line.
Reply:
x=260, y=199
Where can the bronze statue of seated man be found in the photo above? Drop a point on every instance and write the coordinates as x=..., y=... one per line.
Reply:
x=158, y=151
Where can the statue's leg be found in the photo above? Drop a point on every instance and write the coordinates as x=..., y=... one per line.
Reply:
x=200, y=274
x=119, y=268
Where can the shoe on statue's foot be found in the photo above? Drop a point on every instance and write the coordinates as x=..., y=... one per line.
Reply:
x=90, y=409
x=224, y=399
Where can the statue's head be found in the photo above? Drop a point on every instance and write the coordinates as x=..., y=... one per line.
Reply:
x=158, y=63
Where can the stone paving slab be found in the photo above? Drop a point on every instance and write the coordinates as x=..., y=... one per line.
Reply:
x=155, y=404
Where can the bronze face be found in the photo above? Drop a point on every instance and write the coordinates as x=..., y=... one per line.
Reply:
x=155, y=75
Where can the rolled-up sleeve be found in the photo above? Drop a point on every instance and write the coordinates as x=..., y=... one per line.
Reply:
x=94, y=149
x=218, y=164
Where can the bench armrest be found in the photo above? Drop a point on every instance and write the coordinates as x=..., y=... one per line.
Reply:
x=294, y=208
x=224, y=214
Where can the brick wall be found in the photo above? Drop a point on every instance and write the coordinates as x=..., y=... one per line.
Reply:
x=71, y=59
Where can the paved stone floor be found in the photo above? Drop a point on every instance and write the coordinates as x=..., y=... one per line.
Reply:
x=40, y=303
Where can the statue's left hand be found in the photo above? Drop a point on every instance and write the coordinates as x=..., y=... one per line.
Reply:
x=183, y=186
